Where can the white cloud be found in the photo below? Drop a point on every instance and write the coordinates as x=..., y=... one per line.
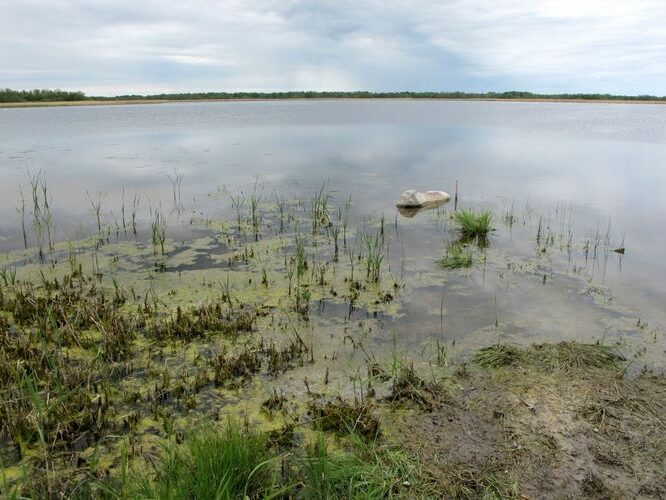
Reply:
x=553, y=45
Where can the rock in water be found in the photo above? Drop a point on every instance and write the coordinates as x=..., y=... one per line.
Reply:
x=417, y=199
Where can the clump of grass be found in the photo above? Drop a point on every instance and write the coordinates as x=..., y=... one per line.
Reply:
x=408, y=386
x=473, y=225
x=498, y=355
x=232, y=464
x=368, y=472
x=563, y=356
x=457, y=256
x=569, y=356
x=374, y=245
x=341, y=417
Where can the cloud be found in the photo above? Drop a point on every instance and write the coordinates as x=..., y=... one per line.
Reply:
x=124, y=46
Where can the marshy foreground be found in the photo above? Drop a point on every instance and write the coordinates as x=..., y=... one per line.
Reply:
x=254, y=356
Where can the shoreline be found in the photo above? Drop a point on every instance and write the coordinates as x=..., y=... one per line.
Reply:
x=124, y=102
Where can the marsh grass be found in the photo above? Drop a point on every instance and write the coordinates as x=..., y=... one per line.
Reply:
x=374, y=247
x=366, y=471
x=235, y=463
x=498, y=355
x=158, y=231
x=21, y=211
x=319, y=209
x=43, y=221
x=242, y=463
x=97, y=211
x=563, y=356
x=457, y=256
x=473, y=225
x=255, y=201
x=343, y=418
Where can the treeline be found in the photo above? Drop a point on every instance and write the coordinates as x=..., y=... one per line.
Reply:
x=381, y=95
x=39, y=95
x=8, y=95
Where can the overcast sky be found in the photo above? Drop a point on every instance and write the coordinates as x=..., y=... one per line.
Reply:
x=108, y=47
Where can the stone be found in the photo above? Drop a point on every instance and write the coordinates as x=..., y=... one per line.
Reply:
x=417, y=199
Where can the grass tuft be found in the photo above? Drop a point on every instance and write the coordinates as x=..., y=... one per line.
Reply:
x=472, y=225
x=232, y=464
x=563, y=356
x=569, y=356
x=498, y=355
x=366, y=472
x=457, y=257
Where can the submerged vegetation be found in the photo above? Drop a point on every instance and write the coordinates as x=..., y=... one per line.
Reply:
x=457, y=256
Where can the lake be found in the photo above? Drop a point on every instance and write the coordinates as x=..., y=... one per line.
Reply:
x=584, y=172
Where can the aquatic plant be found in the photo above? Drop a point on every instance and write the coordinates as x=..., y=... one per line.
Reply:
x=374, y=256
x=135, y=208
x=472, y=225
x=457, y=256
x=97, y=210
x=158, y=231
x=319, y=215
x=255, y=200
x=21, y=210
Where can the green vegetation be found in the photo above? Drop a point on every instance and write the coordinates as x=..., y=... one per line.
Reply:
x=472, y=225
x=37, y=95
x=227, y=465
x=243, y=463
x=367, y=471
x=457, y=256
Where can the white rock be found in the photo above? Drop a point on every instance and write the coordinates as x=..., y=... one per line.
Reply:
x=413, y=198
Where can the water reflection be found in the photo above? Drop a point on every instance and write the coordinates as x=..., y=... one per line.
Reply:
x=411, y=212
x=601, y=164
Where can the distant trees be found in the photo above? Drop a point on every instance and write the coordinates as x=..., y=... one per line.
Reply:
x=38, y=95
x=8, y=95
x=381, y=95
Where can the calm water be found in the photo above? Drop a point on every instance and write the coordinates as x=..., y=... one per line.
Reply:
x=602, y=164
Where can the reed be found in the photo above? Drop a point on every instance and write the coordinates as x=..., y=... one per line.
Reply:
x=135, y=207
x=21, y=210
x=97, y=212
x=374, y=256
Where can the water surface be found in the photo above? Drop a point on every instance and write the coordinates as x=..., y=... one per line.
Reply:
x=588, y=169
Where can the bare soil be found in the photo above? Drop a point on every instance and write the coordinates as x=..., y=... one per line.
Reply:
x=523, y=432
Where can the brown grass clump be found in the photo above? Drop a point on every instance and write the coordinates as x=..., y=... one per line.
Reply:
x=563, y=356
x=341, y=417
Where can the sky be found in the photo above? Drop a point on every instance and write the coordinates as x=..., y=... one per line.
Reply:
x=111, y=47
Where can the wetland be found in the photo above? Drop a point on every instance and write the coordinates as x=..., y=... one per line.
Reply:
x=222, y=300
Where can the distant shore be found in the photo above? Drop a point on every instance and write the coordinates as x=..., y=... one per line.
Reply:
x=120, y=102
x=87, y=102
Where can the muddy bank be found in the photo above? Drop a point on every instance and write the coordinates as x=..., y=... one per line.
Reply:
x=525, y=429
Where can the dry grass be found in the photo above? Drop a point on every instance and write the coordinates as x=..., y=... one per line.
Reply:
x=565, y=356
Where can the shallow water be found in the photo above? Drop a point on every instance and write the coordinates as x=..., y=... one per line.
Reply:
x=576, y=167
